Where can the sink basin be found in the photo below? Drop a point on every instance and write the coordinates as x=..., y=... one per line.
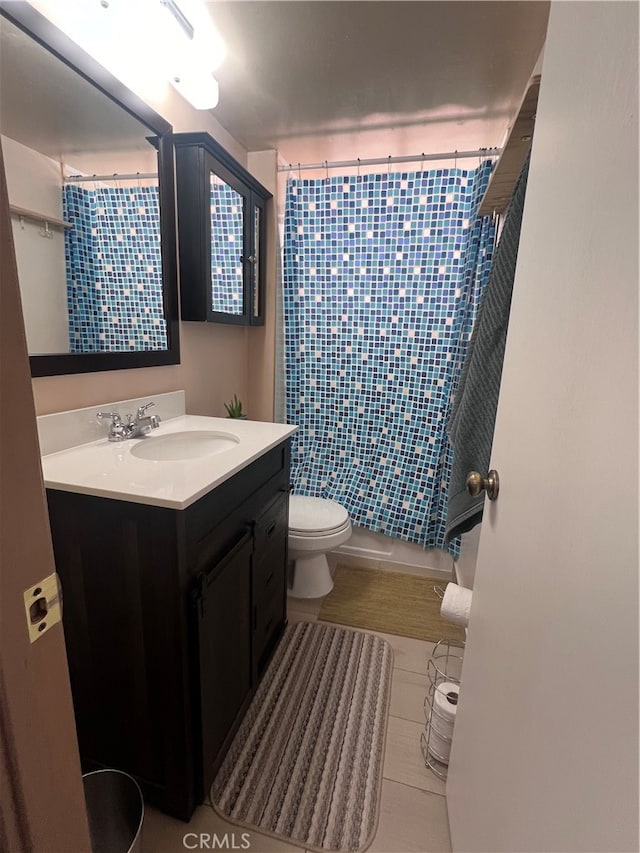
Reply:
x=191, y=444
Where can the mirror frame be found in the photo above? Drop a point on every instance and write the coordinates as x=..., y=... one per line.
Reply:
x=39, y=28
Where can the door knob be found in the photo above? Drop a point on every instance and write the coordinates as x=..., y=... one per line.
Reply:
x=476, y=483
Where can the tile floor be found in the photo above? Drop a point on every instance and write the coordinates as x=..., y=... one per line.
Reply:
x=413, y=811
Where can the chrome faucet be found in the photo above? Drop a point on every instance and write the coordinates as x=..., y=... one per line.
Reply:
x=120, y=430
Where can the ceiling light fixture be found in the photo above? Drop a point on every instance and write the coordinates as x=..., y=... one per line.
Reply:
x=147, y=42
x=177, y=13
x=200, y=89
x=197, y=49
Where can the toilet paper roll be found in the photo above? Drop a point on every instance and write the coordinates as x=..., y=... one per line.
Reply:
x=439, y=747
x=445, y=706
x=456, y=604
x=443, y=727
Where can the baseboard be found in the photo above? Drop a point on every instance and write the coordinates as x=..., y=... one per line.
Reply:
x=361, y=562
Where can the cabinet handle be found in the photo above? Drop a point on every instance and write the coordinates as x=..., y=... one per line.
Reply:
x=270, y=530
x=204, y=579
x=268, y=580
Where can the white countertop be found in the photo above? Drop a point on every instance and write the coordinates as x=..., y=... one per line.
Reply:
x=108, y=469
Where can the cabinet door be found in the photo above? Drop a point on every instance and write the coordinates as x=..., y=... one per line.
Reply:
x=223, y=612
x=228, y=209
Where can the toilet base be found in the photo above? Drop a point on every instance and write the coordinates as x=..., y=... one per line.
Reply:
x=311, y=577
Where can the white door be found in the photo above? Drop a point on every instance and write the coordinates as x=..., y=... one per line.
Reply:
x=545, y=753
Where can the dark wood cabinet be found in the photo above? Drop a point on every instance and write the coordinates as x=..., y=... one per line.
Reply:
x=221, y=234
x=170, y=619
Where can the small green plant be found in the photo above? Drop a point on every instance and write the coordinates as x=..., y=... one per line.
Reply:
x=234, y=408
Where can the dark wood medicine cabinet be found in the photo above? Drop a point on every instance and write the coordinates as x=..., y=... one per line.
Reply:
x=221, y=234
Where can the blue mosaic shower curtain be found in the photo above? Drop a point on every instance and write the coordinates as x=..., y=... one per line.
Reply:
x=382, y=280
x=114, y=269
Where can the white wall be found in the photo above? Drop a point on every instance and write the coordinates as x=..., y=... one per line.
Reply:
x=34, y=183
x=261, y=373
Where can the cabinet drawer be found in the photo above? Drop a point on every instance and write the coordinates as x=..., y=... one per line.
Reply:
x=239, y=497
x=269, y=569
x=272, y=524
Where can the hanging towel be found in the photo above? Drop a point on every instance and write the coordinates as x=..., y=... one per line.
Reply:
x=473, y=414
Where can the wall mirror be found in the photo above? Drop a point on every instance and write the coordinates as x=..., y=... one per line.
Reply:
x=91, y=188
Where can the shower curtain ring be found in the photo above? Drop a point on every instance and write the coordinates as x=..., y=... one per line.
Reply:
x=358, y=159
x=326, y=171
x=299, y=173
x=388, y=165
x=455, y=160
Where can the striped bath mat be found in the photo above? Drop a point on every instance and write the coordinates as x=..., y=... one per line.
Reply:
x=306, y=763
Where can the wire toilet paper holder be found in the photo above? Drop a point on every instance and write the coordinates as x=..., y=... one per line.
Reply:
x=443, y=666
x=439, y=591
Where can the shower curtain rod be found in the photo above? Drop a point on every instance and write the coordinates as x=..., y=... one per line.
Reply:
x=294, y=167
x=78, y=179
x=380, y=161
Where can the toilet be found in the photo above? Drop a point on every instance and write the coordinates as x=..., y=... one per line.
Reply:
x=316, y=526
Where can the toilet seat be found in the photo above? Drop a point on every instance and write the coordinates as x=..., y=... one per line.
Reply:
x=319, y=534
x=316, y=526
x=314, y=517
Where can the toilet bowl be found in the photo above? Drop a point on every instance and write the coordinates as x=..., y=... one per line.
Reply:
x=316, y=526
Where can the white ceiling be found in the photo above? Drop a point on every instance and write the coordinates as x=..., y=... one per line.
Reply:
x=317, y=80
x=331, y=80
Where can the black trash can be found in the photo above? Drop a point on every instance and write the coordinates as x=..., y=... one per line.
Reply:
x=115, y=809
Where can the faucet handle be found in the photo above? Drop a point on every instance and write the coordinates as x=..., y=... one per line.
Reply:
x=143, y=409
x=113, y=416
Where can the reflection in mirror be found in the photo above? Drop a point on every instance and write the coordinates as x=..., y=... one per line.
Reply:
x=113, y=267
x=88, y=250
x=256, y=260
x=227, y=230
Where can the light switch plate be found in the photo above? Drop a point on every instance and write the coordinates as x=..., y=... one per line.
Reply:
x=43, y=606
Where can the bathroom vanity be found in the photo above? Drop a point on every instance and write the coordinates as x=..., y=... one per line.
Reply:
x=174, y=579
